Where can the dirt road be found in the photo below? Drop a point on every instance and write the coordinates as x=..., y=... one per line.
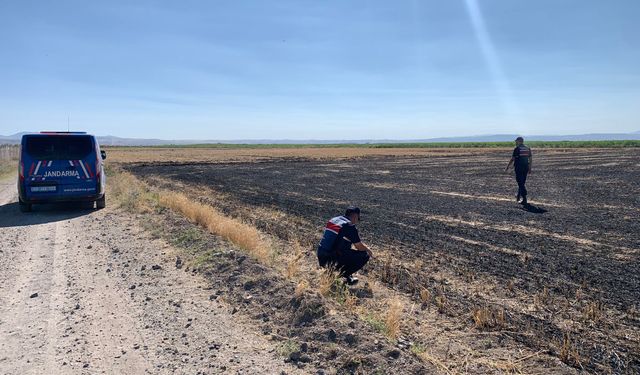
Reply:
x=85, y=291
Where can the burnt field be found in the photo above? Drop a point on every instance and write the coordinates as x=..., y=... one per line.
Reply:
x=560, y=278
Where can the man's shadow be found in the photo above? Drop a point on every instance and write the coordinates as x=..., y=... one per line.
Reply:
x=533, y=209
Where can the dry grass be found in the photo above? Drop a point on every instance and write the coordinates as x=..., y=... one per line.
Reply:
x=130, y=193
x=425, y=296
x=331, y=285
x=389, y=270
x=208, y=154
x=505, y=366
x=350, y=301
x=133, y=195
x=593, y=311
x=568, y=352
x=293, y=264
x=441, y=303
x=501, y=318
x=327, y=279
x=484, y=317
x=301, y=287
x=393, y=319
x=245, y=236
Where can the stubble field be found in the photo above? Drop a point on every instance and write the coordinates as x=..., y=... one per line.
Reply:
x=551, y=287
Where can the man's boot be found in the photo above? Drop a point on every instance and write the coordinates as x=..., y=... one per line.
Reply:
x=351, y=280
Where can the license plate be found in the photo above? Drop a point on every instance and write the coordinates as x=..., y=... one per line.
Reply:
x=40, y=189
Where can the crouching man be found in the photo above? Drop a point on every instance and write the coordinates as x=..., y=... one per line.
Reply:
x=335, y=249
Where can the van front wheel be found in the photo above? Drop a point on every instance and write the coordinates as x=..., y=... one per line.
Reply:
x=24, y=207
x=102, y=202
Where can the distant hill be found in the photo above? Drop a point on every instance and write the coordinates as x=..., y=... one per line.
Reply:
x=510, y=137
x=117, y=141
x=106, y=140
x=12, y=139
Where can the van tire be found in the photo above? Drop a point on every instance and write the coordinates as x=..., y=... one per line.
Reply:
x=24, y=207
x=101, y=203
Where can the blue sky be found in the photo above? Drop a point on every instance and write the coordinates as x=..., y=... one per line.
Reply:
x=320, y=69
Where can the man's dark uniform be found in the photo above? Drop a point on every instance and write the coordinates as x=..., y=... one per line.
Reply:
x=521, y=155
x=335, y=247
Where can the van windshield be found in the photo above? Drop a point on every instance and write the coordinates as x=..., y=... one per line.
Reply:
x=53, y=147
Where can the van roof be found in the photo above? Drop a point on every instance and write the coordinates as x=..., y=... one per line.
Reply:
x=62, y=133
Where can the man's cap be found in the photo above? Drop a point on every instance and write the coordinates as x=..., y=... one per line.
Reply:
x=352, y=210
x=519, y=139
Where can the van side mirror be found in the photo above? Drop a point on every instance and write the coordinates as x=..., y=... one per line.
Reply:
x=103, y=154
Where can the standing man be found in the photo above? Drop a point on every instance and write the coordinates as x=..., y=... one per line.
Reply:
x=335, y=250
x=522, y=160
